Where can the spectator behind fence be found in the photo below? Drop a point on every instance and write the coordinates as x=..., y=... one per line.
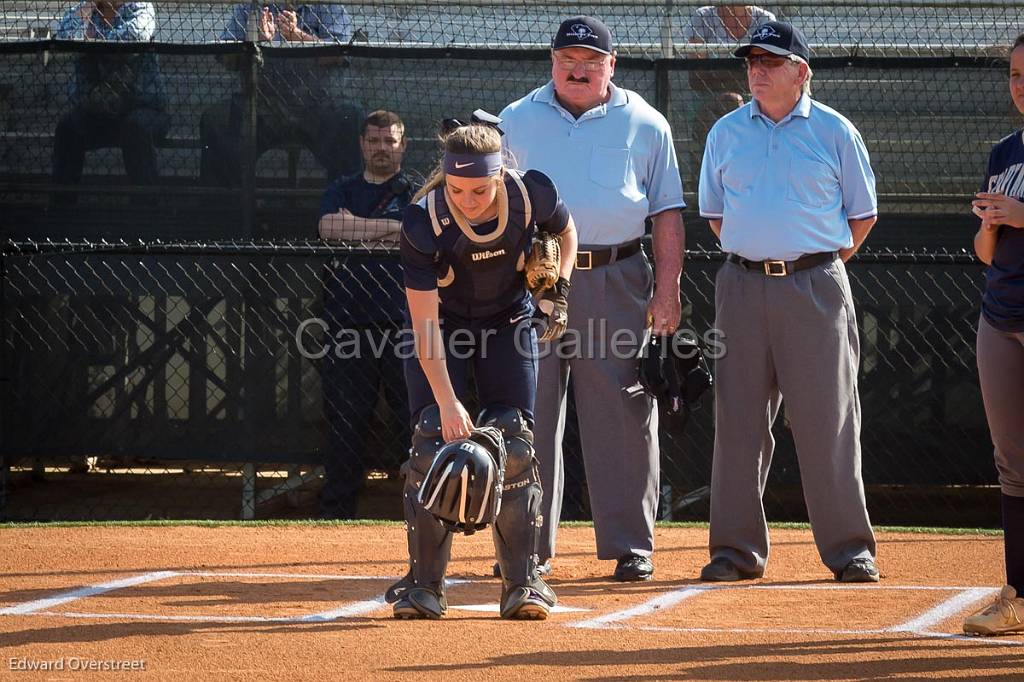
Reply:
x=365, y=298
x=117, y=100
x=718, y=91
x=295, y=103
x=612, y=157
x=787, y=186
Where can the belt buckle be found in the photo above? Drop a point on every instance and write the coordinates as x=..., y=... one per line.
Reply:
x=775, y=268
x=590, y=260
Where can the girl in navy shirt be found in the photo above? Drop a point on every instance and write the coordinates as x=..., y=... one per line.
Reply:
x=999, y=243
x=464, y=245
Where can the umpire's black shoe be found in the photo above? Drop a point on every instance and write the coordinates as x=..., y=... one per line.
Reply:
x=721, y=570
x=632, y=568
x=859, y=571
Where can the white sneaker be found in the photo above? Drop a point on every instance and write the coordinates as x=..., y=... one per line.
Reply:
x=1002, y=617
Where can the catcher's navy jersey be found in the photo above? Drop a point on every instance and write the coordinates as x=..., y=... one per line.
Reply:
x=478, y=269
x=1003, y=303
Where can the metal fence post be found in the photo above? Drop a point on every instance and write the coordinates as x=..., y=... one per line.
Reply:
x=250, y=94
x=662, y=86
x=5, y=387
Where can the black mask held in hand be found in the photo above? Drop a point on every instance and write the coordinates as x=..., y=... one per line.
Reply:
x=674, y=370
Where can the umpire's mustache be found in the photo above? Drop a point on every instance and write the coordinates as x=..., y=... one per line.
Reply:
x=573, y=79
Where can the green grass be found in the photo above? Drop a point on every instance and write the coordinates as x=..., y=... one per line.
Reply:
x=994, y=532
x=168, y=523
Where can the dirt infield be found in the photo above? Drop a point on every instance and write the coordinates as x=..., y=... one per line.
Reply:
x=303, y=602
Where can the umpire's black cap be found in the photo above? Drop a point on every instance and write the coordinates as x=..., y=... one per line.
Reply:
x=585, y=32
x=778, y=37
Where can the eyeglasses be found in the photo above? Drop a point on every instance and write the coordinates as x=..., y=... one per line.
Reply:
x=589, y=65
x=768, y=61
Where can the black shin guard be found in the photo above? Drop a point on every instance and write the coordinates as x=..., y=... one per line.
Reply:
x=517, y=528
x=430, y=544
x=1013, y=541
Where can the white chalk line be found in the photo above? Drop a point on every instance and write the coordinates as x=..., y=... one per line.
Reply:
x=83, y=592
x=958, y=603
x=296, y=576
x=42, y=607
x=918, y=625
x=158, y=617
x=822, y=632
x=348, y=611
x=666, y=600
x=359, y=608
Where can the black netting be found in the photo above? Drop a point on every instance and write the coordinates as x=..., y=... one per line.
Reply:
x=175, y=365
x=188, y=120
x=918, y=27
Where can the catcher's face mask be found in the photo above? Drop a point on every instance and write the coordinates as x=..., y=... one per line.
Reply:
x=462, y=489
x=674, y=370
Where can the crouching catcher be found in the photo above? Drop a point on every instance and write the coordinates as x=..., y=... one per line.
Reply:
x=465, y=245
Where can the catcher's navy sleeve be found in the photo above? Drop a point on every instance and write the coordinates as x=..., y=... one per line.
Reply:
x=418, y=249
x=550, y=214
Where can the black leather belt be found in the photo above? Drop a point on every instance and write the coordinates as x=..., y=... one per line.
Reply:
x=585, y=260
x=781, y=268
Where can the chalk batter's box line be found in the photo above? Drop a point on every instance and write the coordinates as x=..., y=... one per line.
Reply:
x=920, y=625
x=43, y=607
x=40, y=607
x=965, y=597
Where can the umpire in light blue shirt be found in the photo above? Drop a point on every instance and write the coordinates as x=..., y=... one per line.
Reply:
x=787, y=186
x=611, y=155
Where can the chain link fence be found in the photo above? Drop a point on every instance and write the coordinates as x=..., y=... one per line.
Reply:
x=186, y=380
x=225, y=120
x=148, y=151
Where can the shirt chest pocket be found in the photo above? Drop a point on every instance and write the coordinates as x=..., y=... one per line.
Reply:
x=608, y=166
x=811, y=182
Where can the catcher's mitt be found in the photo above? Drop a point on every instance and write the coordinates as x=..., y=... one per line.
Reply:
x=542, y=265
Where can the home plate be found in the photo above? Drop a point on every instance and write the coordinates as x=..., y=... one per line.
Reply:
x=494, y=608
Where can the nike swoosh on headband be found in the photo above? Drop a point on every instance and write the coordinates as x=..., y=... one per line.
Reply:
x=463, y=165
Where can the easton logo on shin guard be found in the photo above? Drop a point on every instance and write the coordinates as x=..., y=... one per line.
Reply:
x=463, y=487
x=519, y=484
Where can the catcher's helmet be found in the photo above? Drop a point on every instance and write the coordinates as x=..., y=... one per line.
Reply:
x=462, y=489
x=674, y=370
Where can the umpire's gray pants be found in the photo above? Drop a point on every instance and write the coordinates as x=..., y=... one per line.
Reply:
x=792, y=336
x=618, y=422
x=1001, y=371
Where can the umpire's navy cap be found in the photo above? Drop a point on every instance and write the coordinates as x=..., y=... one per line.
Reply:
x=777, y=37
x=585, y=32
